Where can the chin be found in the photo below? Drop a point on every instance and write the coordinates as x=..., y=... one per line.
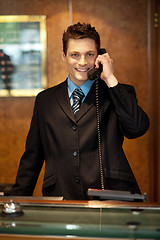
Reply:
x=83, y=78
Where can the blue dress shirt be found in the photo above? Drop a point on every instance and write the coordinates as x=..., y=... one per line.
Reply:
x=85, y=88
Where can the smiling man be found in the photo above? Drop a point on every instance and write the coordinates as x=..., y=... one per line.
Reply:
x=63, y=130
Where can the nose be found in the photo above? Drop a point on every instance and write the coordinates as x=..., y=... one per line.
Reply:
x=82, y=61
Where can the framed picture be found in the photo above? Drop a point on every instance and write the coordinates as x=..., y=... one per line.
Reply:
x=22, y=55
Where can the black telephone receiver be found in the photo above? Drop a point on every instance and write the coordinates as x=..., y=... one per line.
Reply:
x=96, y=72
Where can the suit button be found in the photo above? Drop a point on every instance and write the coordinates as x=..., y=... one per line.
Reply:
x=75, y=154
x=77, y=180
x=74, y=127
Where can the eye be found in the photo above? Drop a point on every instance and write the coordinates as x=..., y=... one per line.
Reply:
x=90, y=54
x=74, y=55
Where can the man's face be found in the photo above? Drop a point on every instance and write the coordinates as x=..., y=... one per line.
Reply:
x=80, y=58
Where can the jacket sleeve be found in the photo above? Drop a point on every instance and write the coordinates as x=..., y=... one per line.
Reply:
x=31, y=161
x=134, y=122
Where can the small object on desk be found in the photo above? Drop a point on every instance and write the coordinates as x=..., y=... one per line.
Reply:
x=12, y=209
x=116, y=195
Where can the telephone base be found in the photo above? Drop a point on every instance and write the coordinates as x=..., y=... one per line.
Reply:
x=99, y=194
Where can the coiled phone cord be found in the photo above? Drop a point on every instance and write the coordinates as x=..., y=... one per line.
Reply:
x=99, y=136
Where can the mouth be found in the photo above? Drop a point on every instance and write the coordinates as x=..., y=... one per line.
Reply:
x=82, y=70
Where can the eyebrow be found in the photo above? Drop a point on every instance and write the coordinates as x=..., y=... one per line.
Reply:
x=90, y=51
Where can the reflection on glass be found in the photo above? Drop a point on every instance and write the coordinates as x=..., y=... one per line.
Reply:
x=22, y=55
x=6, y=71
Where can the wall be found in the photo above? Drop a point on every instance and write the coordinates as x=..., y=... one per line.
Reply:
x=154, y=81
x=122, y=25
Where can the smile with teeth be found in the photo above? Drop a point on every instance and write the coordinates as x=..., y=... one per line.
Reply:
x=82, y=70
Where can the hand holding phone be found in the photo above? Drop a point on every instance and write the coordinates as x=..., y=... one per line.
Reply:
x=96, y=72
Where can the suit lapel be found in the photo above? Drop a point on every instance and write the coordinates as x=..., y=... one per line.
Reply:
x=63, y=99
x=89, y=102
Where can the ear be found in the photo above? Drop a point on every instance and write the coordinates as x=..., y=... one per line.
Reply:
x=63, y=56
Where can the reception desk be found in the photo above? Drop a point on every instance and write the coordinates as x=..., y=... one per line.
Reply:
x=47, y=218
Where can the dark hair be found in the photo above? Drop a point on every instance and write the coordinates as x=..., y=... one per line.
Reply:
x=79, y=31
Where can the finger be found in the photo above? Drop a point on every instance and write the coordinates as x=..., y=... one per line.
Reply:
x=104, y=58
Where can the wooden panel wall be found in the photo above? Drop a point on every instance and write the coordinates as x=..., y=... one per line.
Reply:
x=122, y=25
x=154, y=86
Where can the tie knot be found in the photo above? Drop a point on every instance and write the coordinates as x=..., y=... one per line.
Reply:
x=78, y=95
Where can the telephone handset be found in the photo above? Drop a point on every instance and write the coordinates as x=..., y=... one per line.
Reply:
x=96, y=72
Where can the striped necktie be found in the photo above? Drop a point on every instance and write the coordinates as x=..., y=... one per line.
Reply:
x=78, y=95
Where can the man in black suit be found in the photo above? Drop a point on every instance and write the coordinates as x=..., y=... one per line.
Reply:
x=77, y=155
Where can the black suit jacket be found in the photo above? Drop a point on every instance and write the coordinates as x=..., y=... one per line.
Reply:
x=68, y=144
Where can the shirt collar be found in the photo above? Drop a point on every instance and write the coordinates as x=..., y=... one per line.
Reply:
x=85, y=86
